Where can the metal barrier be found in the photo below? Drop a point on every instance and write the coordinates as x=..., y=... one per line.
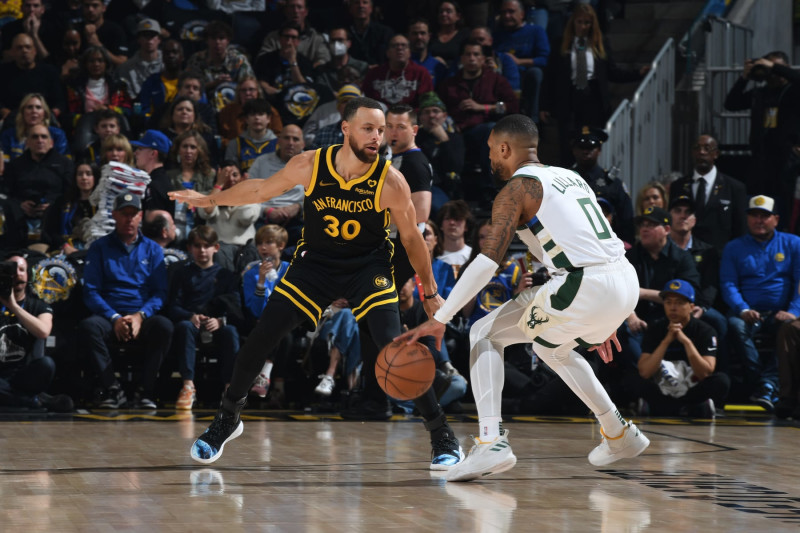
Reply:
x=616, y=154
x=640, y=132
x=727, y=47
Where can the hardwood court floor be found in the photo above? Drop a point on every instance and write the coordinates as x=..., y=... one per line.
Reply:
x=307, y=474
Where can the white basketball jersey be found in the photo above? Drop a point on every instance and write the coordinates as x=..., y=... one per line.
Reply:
x=569, y=231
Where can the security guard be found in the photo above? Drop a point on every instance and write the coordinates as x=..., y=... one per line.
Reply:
x=586, y=145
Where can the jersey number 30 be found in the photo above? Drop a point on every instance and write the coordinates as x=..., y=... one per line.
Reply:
x=349, y=229
x=596, y=218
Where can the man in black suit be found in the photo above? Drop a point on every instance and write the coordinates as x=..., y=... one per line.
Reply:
x=721, y=201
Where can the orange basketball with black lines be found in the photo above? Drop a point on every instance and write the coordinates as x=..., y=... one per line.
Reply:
x=405, y=371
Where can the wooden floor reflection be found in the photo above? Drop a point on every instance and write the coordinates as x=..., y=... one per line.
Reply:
x=336, y=476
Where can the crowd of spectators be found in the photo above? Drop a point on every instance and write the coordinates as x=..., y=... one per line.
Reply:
x=203, y=95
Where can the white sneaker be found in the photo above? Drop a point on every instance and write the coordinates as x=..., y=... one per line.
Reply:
x=325, y=387
x=484, y=459
x=631, y=443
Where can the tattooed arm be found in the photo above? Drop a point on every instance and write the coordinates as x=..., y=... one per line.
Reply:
x=515, y=204
x=518, y=199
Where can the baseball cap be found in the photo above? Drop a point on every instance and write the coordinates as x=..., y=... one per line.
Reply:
x=431, y=99
x=589, y=137
x=154, y=139
x=127, y=199
x=678, y=286
x=762, y=203
x=655, y=214
x=682, y=200
x=148, y=25
x=348, y=92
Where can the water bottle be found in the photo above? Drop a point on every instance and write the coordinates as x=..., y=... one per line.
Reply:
x=137, y=108
x=205, y=336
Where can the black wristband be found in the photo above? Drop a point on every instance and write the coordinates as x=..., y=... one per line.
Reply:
x=431, y=296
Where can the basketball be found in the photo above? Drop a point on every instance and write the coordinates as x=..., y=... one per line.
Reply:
x=405, y=371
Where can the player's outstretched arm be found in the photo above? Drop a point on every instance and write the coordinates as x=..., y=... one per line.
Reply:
x=251, y=191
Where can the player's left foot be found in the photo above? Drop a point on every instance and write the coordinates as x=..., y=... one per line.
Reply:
x=226, y=426
x=446, y=452
x=629, y=444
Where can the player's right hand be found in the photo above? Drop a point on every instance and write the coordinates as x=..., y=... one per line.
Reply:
x=432, y=327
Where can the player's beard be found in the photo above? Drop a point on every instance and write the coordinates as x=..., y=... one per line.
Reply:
x=497, y=176
x=361, y=154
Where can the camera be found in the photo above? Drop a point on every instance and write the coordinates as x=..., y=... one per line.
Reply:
x=8, y=275
x=759, y=72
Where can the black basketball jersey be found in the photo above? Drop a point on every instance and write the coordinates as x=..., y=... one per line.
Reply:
x=344, y=218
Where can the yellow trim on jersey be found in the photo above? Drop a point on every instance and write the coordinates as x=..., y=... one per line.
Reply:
x=311, y=185
x=379, y=189
x=347, y=185
x=370, y=297
x=297, y=304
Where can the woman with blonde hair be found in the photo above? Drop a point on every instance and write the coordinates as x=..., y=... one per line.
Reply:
x=653, y=194
x=116, y=147
x=33, y=110
x=190, y=169
x=576, y=83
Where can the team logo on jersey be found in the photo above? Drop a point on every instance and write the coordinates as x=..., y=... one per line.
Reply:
x=536, y=320
x=780, y=258
x=381, y=282
x=372, y=183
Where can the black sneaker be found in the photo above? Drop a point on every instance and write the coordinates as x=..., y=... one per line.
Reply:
x=446, y=452
x=368, y=410
x=140, y=401
x=57, y=403
x=114, y=397
x=763, y=397
x=225, y=427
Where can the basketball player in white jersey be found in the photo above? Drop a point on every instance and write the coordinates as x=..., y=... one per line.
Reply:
x=591, y=291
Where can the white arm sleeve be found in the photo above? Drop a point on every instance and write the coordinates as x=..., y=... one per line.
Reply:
x=471, y=280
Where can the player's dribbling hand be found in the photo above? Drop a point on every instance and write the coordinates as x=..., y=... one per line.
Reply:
x=190, y=197
x=606, y=350
x=432, y=327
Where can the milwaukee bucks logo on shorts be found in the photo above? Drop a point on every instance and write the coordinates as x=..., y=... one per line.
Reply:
x=535, y=320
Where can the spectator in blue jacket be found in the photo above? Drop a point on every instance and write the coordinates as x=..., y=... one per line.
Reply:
x=258, y=282
x=759, y=276
x=125, y=285
x=528, y=46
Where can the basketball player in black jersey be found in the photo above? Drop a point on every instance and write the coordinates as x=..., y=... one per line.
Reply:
x=344, y=252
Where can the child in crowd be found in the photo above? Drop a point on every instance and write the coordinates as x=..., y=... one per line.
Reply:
x=202, y=297
x=258, y=282
x=108, y=122
x=257, y=139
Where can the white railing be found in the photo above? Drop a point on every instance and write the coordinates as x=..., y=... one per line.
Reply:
x=640, y=131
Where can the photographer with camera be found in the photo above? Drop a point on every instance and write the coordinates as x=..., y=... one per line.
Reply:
x=774, y=104
x=25, y=322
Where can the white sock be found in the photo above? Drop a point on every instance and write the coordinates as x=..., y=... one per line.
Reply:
x=489, y=427
x=612, y=422
x=267, y=370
